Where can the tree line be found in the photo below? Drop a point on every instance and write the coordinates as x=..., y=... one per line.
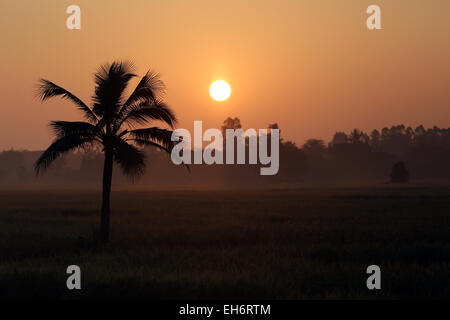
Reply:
x=349, y=156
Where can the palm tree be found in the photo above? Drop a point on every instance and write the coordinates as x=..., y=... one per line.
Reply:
x=113, y=123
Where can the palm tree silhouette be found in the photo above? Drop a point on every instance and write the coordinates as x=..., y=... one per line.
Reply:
x=112, y=124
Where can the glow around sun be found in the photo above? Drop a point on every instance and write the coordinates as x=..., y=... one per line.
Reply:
x=220, y=90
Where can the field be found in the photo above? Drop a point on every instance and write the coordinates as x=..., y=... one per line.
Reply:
x=280, y=243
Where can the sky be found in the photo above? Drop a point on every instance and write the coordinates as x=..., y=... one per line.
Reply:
x=312, y=66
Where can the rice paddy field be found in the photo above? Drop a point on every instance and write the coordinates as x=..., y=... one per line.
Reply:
x=216, y=243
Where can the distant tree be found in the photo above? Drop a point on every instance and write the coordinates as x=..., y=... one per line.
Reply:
x=375, y=139
x=399, y=173
x=314, y=148
x=410, y=134
x=289, y=145
x=273, y=126
x=111, y=123
x=356, y=136
x=339, y=138
x=230, y=123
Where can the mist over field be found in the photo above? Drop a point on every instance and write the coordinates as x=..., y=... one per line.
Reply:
x=354, y=157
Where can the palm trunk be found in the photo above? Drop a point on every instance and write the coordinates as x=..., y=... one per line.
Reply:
x=107, y=178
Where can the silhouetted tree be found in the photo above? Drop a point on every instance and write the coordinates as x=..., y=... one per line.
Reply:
x=357, y=136
x=314, y=148
x=111, y=123
x=375, y=139
x=399, y=173
x=230, y=123
x=339, y=138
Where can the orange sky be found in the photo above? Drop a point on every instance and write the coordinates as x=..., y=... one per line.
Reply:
x=310, y=65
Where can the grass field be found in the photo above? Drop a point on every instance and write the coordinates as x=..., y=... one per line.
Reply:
x=293, y=243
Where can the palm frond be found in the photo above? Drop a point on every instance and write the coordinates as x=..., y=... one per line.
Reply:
x=154, y=134
x=144, y=113
x=148, y=91
x=47, y=89
x=110, y=111
x=149, y=143
x=58, y=148
x=130, y=159
x=68, y=128
x=111, y=81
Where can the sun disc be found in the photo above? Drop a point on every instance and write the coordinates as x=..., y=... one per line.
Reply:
x=220, y=90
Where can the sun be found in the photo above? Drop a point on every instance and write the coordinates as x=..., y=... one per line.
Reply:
x=220, y=90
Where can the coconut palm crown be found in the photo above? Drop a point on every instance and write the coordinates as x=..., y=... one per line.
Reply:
x=113, y=123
